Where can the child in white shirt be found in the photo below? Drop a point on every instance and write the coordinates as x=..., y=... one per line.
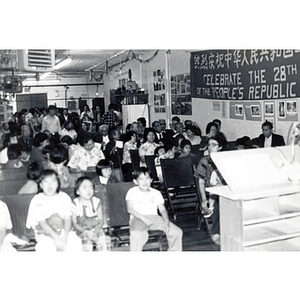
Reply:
x=142, y=204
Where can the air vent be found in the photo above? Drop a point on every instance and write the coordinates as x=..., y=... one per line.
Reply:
x=36, y=60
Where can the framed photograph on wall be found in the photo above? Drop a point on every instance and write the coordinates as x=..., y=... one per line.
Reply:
x=255, y=111
x=281, y=109
x=269, y=108
x=239, y=110
x=291, y=107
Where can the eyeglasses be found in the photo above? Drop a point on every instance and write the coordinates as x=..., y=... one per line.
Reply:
x=162, y=123
x=213, y=144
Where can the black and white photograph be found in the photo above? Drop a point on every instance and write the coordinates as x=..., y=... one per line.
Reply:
x=269, y=108
x=281, y=109
x=291, y=107
x=239, y=110
x=255, y=111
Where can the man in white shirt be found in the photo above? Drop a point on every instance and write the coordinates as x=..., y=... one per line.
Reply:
x=51, y=121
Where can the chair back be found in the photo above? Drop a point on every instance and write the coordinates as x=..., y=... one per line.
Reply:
x=13, y=174
x=18, y=206
x=135, y=159
x=151, y=166
x=116, y=203
x=177, y=172
x=11, y=187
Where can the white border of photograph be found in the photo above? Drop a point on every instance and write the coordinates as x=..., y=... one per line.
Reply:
x=284, y=110
x=258, y=110
x=294, y=103
x=271, y=104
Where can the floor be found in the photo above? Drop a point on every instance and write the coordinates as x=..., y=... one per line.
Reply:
x=193, y=238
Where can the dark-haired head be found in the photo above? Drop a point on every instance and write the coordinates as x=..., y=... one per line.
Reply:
x=48, y=173
x=39, y=139
x=184, y=143
x=140, y=171
x=59, y=154
x=13, y=151
x=78, y=183
x=209, y=126
x=34, y=171
x=102, y=164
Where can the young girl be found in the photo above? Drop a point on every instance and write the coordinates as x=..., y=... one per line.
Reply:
x=87, y=214
x=160, y=153
x=58, y=160
x=49, y=215
x=104, y=172
x=148, y=147
x=127, y=168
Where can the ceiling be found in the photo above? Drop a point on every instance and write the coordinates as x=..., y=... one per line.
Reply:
x=83, y=60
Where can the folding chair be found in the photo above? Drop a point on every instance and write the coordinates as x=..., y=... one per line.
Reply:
x=151, y=166
x=135, y=159
x=119, y=218
x=181, y=187
x=18, y=206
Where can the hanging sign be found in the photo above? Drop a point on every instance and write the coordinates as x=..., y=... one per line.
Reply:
x=245, y=74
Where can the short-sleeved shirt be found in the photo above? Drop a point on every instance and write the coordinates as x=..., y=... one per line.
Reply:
x=204, y=170
x=42, y=207
x=90, y=208
x=145, y=203
x=83, y=159
x=5, y=221
x=126, y=153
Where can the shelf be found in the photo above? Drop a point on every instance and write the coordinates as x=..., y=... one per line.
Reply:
x=292, y=244
x=272, y=231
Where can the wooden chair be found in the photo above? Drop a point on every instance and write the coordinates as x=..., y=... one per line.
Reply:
x=119, y=218
x=18, y=206
x=181, y=187
x=13, y=174
x=11, y=187
x=151, y=166
x=135, y=159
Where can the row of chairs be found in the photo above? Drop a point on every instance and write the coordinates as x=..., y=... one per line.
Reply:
x=115, y=212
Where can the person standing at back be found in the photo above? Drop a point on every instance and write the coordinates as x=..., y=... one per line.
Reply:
x=51, y=121
x=110, y=118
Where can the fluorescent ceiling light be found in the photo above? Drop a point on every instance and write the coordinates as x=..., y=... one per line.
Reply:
x=63, y=63
x=41, y=82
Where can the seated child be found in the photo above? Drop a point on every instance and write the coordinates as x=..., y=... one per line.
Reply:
x=58, y=160
x=49, y=215
x=14, y=157
x=104, y=172
x=142, y=204
x=34, y=172
x=186, y=147
x=5, y=228
x=160, y=153
x=87, y=213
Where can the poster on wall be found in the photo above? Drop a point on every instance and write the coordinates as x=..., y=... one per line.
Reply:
x=180, y=94
x=245, y=74
x=288, y=110
x=253, y=111
x=237, y=110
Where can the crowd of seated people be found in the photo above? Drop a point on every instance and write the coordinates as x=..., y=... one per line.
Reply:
x=72, y=145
